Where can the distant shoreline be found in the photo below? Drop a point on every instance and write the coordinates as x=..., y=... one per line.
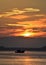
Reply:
x=25, y=49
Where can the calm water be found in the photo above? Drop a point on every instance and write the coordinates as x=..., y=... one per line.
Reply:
x=27, y=58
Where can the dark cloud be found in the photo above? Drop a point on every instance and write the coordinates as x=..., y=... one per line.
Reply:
x=43, y=29
x=39, y=29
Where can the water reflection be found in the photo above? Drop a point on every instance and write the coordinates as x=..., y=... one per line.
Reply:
x=22, y=60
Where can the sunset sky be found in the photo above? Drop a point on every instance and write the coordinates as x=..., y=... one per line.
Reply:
x=25, y=18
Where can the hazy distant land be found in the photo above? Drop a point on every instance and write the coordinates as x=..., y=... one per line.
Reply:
x=26, y=49
x=13, y=40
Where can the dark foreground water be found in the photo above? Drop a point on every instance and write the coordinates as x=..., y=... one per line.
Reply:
x=27, y=58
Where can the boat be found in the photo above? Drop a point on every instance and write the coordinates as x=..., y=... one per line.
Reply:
x=19, y=51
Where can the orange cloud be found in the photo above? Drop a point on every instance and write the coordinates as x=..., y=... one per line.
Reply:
x=26, y=28
x=17, y=11
x=40, y=34
x=19, y=17
x=39, y=15
x=26, y=33
x=22, y=32
x=32, y=9
x=29, y=24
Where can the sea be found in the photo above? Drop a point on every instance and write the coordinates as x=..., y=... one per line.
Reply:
x=26, y=58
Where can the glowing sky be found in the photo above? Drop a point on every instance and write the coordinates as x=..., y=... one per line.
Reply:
x=23, y=18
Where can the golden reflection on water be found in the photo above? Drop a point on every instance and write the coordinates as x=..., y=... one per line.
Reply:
x=22, y=60
x=31, y=58
x=19, y=60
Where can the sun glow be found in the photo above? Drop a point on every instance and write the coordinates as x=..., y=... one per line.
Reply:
x=27, y=34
